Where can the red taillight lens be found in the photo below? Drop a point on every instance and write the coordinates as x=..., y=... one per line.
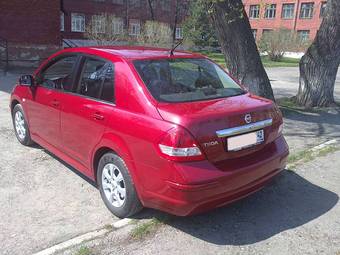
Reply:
x=179, y=145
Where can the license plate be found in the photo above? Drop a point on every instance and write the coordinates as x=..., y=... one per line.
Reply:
x=240, y=142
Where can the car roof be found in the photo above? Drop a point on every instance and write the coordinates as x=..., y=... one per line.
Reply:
x=135, y=52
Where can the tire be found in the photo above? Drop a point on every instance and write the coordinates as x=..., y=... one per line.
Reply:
x=113, y=178
x=20, y=125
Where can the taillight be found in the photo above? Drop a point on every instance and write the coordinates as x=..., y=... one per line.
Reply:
x=179, y=145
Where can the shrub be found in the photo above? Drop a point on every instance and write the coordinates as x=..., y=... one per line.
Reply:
x=277, y=42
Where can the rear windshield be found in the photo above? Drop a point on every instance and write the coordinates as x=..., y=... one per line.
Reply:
x=186, y=80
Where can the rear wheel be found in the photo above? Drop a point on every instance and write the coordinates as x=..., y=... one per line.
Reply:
x=116, y=186
x=20, y=126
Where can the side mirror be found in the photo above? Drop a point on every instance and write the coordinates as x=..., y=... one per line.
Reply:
x=26, y=80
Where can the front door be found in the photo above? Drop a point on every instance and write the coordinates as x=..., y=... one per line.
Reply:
x=84, y=114
x=44, y=106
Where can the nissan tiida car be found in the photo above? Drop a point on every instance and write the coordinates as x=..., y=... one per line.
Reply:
x=153, y=129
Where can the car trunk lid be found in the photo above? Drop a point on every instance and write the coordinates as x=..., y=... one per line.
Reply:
x=206, y=119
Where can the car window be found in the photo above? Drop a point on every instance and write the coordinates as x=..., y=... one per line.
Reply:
x=185, y=80
x=59, y=74
x=97, y=80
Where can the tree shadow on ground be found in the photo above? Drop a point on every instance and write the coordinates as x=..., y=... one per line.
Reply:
x=289, y=202
x=312, y=124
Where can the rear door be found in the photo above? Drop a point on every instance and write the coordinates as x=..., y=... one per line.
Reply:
x=85, y=113
x=44, y=107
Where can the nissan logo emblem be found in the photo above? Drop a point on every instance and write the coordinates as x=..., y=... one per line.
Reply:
x=247, y=118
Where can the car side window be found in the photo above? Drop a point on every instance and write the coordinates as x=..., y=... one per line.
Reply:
x=59, y=74
x=97, y=79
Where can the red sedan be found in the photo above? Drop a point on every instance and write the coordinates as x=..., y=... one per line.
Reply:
x=167, y=131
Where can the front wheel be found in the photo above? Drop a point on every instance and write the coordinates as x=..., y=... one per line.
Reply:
x=21, y=129
x=116, y=186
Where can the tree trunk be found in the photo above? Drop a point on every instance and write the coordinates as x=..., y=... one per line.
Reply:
x=239, y=46
x=319, y=66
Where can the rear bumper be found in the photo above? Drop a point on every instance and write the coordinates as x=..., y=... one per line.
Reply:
x=208, y=186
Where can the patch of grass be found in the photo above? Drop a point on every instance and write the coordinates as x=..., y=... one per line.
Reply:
x=288, y=102
x=108, y=227
x=144, y=229
x=285, y=62
x=308, y=155
x=84, y=250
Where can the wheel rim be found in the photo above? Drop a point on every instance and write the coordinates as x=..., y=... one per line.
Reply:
x=113, y=185
x=19, y=122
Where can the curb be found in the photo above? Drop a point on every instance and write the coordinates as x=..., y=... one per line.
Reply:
x=82, y=238
x=317, y=148
x=323, y=145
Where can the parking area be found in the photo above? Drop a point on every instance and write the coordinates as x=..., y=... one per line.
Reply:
x=45, y=202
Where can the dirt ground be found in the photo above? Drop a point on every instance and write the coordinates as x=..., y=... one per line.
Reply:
x=44, y=201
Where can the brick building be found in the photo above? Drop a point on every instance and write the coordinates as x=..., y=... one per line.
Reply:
x=36, y=28
x=302, y=16
x=29, y=27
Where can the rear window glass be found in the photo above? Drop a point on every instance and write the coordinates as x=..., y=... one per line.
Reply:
x=185, y=80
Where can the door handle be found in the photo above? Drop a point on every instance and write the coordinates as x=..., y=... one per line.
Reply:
x=55, y=103
x=98, y=116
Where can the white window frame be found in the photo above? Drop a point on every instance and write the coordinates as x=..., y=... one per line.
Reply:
x=179, y=33
x=78, y=22
x=117, y=26
x=304, y=35
x=270, y=12
x=254, y=11
x=288, y=8
x=254, y=32
x=134, y=27
x=98, y=23
x=62, y=22
x=307, y=10
x=323, y=9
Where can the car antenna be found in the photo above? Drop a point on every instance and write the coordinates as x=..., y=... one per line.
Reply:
x=175, y=47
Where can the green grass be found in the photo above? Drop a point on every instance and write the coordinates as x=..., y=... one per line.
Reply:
x=308, y=155
x=285, y=62
x=83, y=251
x=144, y=229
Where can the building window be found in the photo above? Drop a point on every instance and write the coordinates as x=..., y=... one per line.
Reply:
x=306, y=11
x=288, y=11
x=134, y=28
x=303, y=35
x=254, y=31
x=254, y=11
x=323, y=9
x=98, y=23
x=166, y=5
x=78, y=22
x=179, y=33
x=270, y=11
x=118, y=1
x=118, y=26
x=62, y=21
